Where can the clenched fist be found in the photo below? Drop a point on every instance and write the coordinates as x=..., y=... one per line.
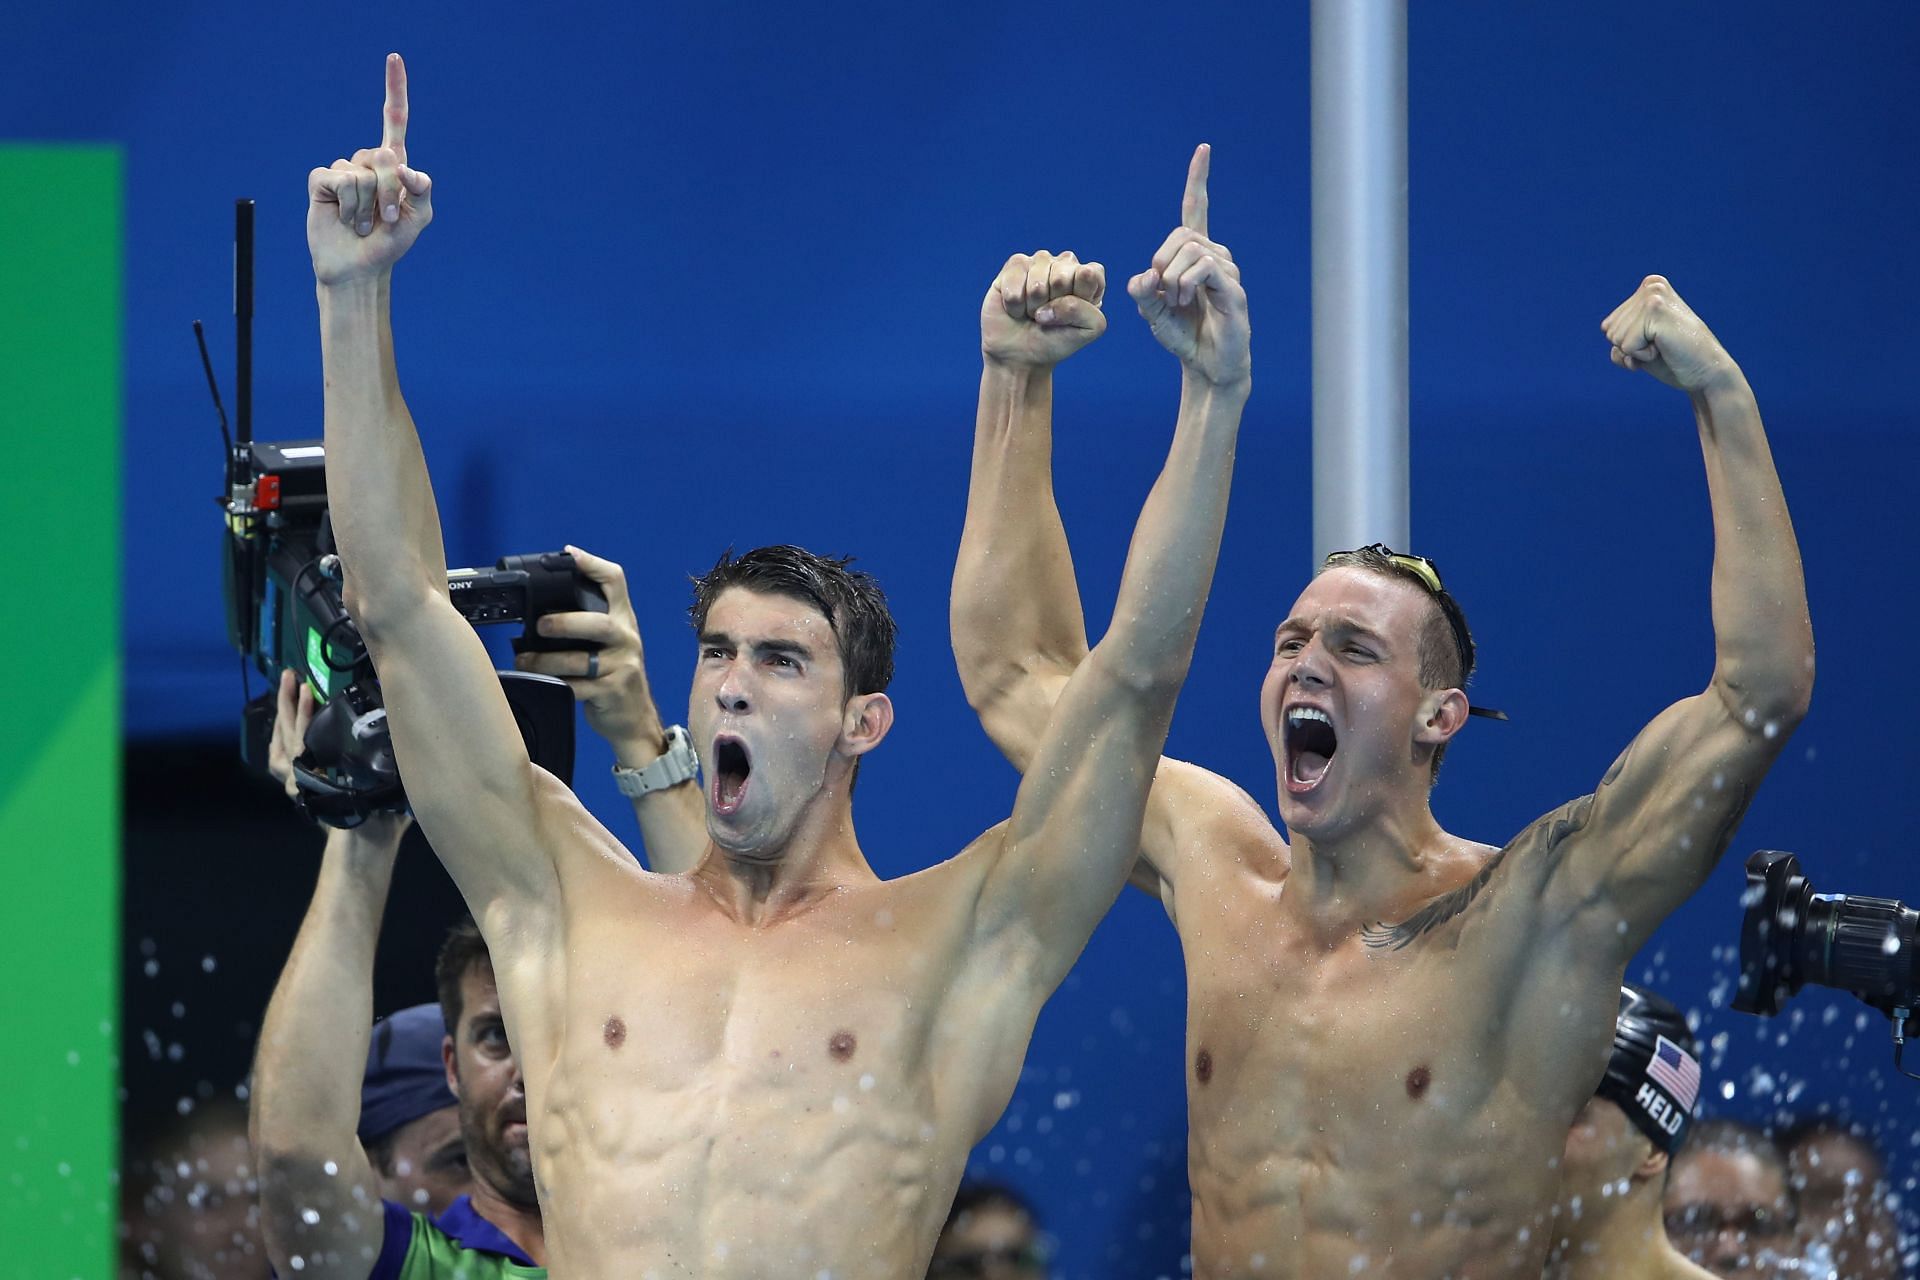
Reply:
x=1654, y=330
x=1041, y=309
x=364, y=214
x=1191, y=296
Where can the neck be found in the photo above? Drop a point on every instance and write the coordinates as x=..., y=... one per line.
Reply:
x=819, y=856
x=1376, y=869
x=1618, y=1238
x=520, y=1223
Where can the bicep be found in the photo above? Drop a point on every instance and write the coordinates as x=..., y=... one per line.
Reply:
x=1660, y=819
x=459, y=751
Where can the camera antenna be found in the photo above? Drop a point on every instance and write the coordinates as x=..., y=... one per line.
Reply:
x=206, y=362
x=243, y=335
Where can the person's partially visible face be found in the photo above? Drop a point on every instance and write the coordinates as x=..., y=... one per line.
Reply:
x=483, y=1074
x=428, y=1159
x=1731, y=1212
x=1341, y=702
x=994, y=1241
x=193, y=1203
x=769, y=701
x=1602, y=1147
x=1838, y=1178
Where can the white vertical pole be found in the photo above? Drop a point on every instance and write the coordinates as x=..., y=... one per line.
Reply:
x=1359, y=174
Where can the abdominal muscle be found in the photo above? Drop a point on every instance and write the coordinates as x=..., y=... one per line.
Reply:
x=715, y=1101
x=733, y=1178
x=1355, y=1114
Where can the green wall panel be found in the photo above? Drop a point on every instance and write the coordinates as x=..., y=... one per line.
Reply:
x=60, y=386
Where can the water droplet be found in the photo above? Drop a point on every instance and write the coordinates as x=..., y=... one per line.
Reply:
x=866, y=1083
x=331, y=1168
x=310, y=1216
x=207, y=964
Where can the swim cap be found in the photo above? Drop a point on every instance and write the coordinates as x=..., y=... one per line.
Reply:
x=1654, y=1073
x=405, y=1078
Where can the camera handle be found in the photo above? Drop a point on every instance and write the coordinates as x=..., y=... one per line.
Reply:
x=1901, y=1016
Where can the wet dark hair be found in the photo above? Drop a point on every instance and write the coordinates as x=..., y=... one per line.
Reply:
x=981, y=1194
x=1811, y=1128
x=1446, y=649
x=380, y=1151
x=1734, y=1137
x=463, y=951
x=850, y=600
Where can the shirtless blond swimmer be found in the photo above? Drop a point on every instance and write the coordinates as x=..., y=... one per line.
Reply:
x=1391, y=1027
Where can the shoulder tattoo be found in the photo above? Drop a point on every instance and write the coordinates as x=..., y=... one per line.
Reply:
x=1543, y=839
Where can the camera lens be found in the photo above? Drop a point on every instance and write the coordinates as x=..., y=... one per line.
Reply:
x=1792, y=936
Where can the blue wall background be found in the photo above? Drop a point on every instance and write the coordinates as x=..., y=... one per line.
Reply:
x=708, y=275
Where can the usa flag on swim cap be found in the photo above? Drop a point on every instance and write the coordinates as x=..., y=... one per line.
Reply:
x=1677, y=1071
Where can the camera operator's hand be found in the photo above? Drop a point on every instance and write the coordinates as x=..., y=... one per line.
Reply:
x=620, y=708
x=365, y=213
x=293, y=713
x=610, y=682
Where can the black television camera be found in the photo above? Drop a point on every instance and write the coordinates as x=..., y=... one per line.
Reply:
x=1792, y=936
x=284, y=606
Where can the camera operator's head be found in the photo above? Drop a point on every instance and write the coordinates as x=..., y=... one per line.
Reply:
x=796, y=651
x=481, y=1069
x=409, y=1121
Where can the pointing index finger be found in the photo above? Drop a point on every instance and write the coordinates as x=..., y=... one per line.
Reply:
x=393, y=120
x=1193, y=206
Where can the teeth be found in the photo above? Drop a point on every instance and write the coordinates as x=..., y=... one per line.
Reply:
x=1300, y=714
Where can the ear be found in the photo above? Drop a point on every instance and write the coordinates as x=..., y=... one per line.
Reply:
x=451, y=1064
x=1651, y=1165
x=865, y=722
x=1441, y=715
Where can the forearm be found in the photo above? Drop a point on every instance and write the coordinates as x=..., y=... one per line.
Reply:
x=313, y=1040
x=1762, y=635
x=1016, y=604
x=673, y=827
x=384, y=517
x=1170, y=563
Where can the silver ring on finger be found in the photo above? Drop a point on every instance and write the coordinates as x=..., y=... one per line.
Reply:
x=593, y=665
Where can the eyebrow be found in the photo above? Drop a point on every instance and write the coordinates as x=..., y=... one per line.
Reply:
x=1347, y=625
x=723, y=640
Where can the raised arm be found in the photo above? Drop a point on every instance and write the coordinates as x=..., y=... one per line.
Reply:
x=611, y=686
x=460, y=753
x=1075, y=830
x=1016, y=618
x=1669, y=805
x=319, y=1198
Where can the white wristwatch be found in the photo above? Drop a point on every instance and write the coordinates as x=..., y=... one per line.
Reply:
x=679, y=764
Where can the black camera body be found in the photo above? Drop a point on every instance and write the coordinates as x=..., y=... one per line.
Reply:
x=285, y=606
x=1792, y=936
x=286, y=610
x=526, y=589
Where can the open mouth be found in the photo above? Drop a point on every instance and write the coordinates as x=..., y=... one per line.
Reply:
x=1310, y=744
x=731, y=768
